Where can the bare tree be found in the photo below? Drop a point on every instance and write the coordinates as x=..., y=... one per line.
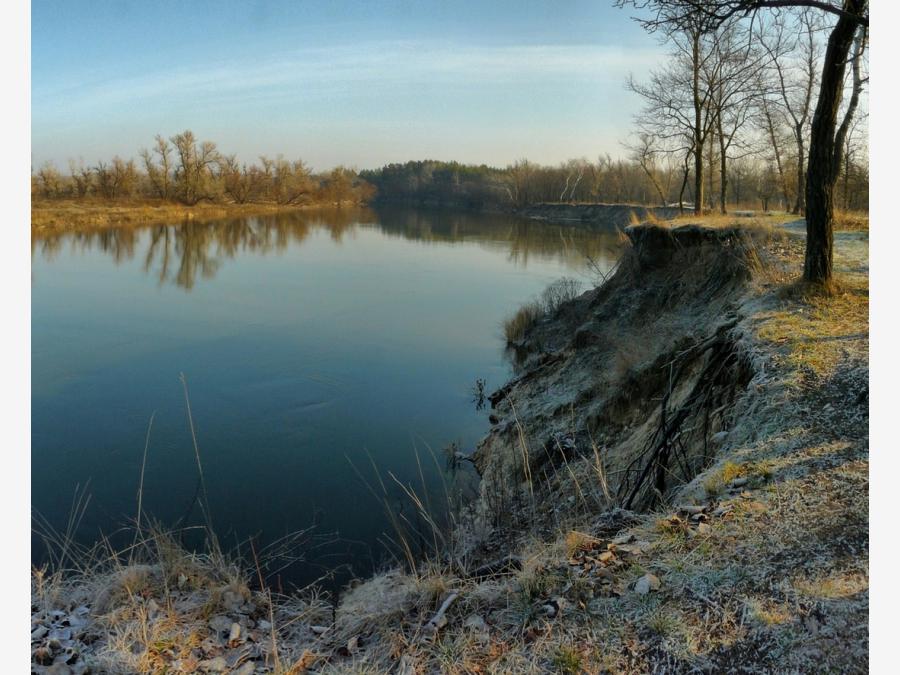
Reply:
x=794, y=55
x=49, y=180
x=116, y=179
x=677, y=98
x=731, y=76
x=193, y=177
x=826, y=136
x=645, y=152
x=81, y=177
x=160, y=174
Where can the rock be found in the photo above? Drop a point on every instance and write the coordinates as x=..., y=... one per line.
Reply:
x=58, y=669
x=704, y=528
x=216, y=665
x=319, y=630
x=61, y=634
x=38, y=632
x=552, y=608
x=235, y=633
x=220, y=623
x=247, y=668
x=648, y=582
x=739, y=482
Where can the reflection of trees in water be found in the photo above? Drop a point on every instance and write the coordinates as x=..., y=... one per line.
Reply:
x=118, y=243
x=181, y=254
x=522, y=237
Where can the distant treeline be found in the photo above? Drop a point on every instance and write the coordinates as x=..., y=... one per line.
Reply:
x=184, y=170
x=751, y=182
x=181, y=169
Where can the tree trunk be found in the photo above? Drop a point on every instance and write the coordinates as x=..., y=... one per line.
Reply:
x=822, y=173
x=800, y=204
x=698, y=126
x=723, y=169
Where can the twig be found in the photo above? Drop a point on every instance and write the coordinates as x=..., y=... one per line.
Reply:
x=438, y=620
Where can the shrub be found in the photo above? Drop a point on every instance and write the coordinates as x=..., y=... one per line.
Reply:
x=526, y=316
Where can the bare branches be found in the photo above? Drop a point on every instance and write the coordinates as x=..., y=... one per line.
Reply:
x=685, y=15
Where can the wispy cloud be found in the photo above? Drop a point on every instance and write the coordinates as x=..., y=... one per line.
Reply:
x=319, y=71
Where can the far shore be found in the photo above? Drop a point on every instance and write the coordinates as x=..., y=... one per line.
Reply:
x=54, y=216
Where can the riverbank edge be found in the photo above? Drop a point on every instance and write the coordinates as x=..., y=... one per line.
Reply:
x=672, y=557
x=59, y=216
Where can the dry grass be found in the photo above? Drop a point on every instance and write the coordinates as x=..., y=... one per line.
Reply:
x=758, y=219
x=64, y=215
x=815, y=324
x=551, y=299
x=851, y=221
x=515, y=327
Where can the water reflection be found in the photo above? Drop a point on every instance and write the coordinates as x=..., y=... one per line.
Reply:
x=187, y=253
x=314, y=342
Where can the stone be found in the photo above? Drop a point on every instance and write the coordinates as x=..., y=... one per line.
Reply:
x=247, y=668
x=61, y=634
x=58, y=669
x=220, y=623
x=235, y=633
x=648, y=582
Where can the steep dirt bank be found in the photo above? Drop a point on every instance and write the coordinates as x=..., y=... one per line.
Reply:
x=702, y=387
x=638, y=376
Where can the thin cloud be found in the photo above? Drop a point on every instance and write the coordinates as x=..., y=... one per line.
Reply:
x=327, y=71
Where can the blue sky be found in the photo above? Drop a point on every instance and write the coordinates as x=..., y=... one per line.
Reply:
x=356, y=83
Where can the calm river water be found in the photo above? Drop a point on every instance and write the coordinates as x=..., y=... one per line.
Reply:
x=314, y=345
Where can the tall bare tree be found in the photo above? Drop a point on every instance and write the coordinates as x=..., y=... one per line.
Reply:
x=677, y=99
x=193, y=176
x=160, y=174
x=790, y=41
